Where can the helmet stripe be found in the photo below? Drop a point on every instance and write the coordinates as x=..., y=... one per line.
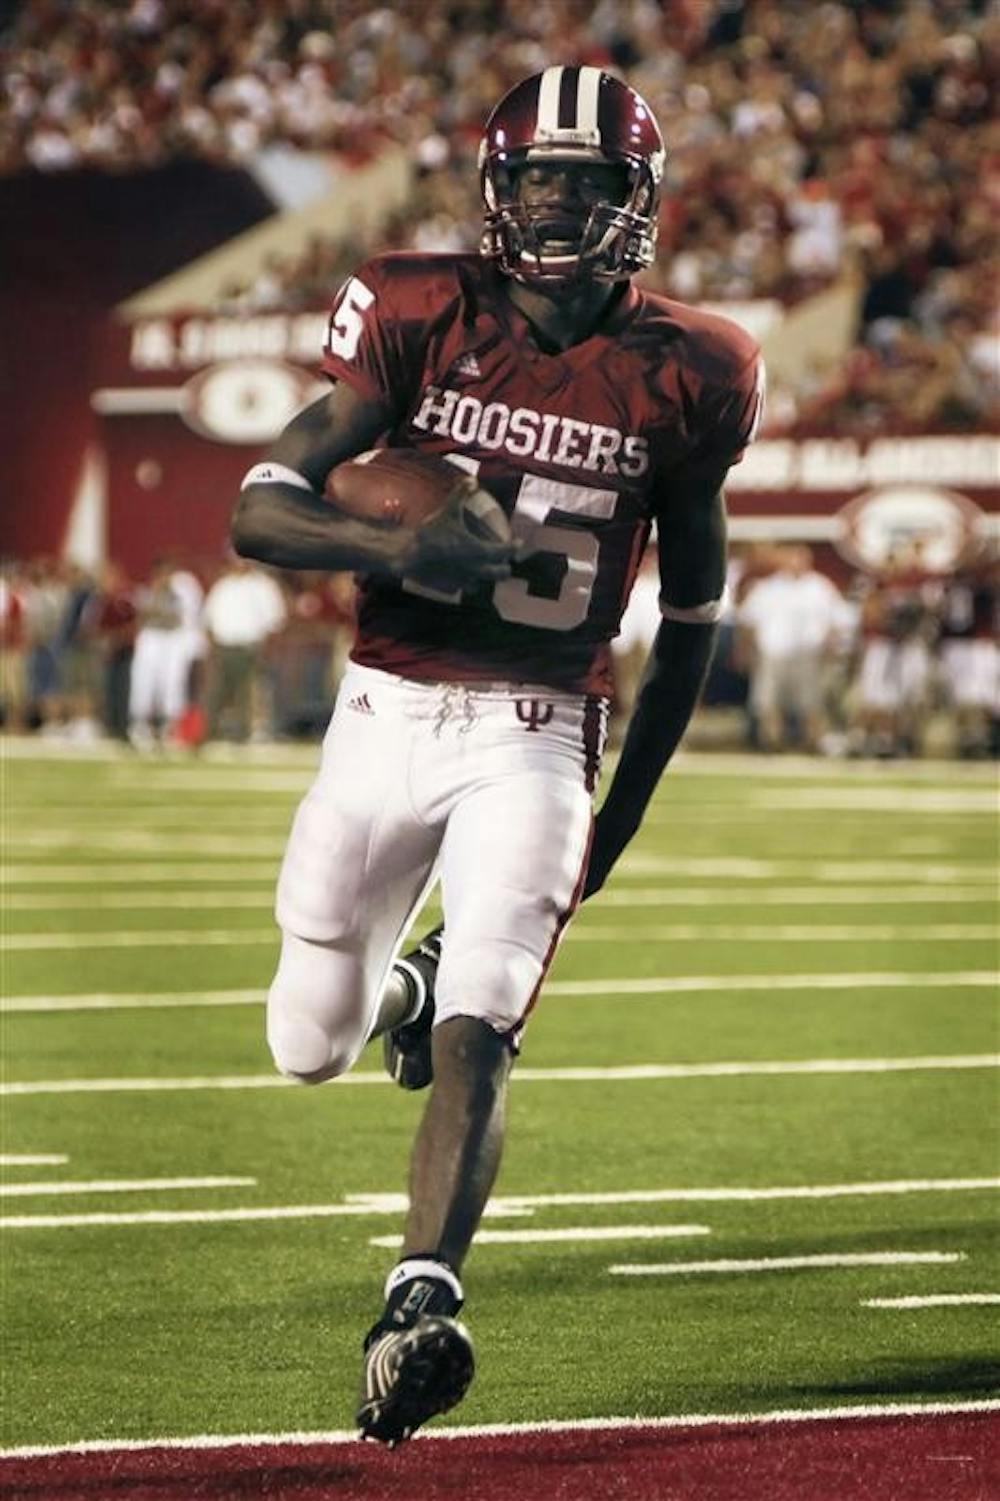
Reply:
x=586, y=100
x=548, y=100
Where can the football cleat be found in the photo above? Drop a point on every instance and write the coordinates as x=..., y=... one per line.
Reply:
x=411, y=1375
x=407, y=1049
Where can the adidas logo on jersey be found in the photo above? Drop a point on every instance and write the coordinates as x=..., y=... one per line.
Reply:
x=360, y=704
x=467, y=364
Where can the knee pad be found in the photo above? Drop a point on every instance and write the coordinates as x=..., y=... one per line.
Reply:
x=318, y=1016
x=494, y=983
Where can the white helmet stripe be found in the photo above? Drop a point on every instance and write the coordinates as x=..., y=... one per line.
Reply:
x=586, y=100
x=548, y=100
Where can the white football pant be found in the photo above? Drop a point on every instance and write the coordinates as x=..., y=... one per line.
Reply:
x=489, y=789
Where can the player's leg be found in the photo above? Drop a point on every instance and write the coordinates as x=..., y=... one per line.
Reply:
x=357, y=865
x=513, y=861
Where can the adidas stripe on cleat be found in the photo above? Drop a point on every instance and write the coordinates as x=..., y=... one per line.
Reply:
x=412, y=1374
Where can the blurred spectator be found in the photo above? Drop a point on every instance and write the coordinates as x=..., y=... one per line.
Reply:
x=790, y=620
x=156, y=689
x=893, y=690
x=13, y=650
x=45, y=600
x=969, y=616
x=244, y=608
x=112, y=623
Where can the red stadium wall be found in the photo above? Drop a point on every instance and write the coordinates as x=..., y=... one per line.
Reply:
x=72, y=247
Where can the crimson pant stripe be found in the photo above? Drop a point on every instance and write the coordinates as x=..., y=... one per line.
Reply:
x=567, y=98
x=593, y=721
x=561, y=921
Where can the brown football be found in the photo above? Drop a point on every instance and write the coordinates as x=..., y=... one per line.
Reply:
x=398, y=486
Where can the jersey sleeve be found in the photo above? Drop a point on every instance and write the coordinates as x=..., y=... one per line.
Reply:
x=732, y=417
x=365, y=343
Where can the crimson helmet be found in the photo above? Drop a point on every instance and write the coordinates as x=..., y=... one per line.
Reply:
x=572, y=115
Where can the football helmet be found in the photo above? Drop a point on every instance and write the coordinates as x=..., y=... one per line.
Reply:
x=571, y=115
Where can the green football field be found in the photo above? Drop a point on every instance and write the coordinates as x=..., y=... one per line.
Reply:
x=752, y=1158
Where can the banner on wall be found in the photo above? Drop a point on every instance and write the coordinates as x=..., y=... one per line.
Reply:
x=188, y=402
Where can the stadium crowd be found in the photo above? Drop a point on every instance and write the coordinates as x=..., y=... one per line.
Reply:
x=239, y=653
x=804, y=140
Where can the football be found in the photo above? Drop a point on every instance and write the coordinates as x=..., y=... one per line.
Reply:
x=398, y=486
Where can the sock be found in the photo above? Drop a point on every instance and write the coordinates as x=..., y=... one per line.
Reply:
x=420, y=1284
x=416, y=988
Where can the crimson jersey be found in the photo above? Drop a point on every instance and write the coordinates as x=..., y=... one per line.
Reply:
x=579, y=448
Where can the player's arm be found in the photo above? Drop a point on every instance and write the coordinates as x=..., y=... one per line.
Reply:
x=692, y=535
x=283, y=518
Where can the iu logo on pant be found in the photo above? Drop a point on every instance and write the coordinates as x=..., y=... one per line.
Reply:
x=533, y=713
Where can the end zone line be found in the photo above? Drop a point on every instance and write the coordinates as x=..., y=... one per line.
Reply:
x=626, y=1073
x=786, y=1263
x=874, y=1412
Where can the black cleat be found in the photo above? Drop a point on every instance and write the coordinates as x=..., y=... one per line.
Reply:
x=412, y=1374
x=407, y=1049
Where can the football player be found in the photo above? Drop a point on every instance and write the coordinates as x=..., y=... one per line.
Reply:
x=467, y=734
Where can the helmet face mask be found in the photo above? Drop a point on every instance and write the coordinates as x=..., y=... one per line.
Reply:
x=566, y=121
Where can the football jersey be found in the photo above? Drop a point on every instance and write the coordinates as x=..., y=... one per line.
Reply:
x=579, y=448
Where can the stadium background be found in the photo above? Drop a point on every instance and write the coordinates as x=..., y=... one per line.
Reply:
x=184, y=184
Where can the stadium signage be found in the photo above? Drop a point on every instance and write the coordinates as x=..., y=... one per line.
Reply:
x=190, y=343
x=845, y=464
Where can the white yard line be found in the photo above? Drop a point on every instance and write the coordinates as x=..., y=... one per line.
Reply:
x=627, y=1073
x=235, y=1216
x=398, y=1203
x=123, y=938
x=583, y=932
x=679, y=984
x=612, y=986
x=33, y=1159
x=116, y=873
x=119, y=1186
x=568, y=1234
x=787, y=1263
x=157, y=898
x=586, y=932
x=915, y=800
x=871, y=1411
x=740, y=868
x=935, y=1300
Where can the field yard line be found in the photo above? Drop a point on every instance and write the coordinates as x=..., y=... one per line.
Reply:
x=677, y=984
x=652, y=985
x=709, y=867
x=119, y=1186
x=787, y=1263
x=858, y=1411
x=585, y=932
x=157, y=898
x=569, y=1233
x=195, y=1216
x=934, y=1300
x=33, y=1159
x=126, y=939
x=727, y=1195
x=627, y=1073
x=87, y=872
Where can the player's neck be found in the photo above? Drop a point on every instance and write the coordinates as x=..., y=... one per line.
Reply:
x=563, y=316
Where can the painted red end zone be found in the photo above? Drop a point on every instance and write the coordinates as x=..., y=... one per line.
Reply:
x=933, y=1458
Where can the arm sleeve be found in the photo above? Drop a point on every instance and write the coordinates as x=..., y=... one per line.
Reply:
x=365, y=337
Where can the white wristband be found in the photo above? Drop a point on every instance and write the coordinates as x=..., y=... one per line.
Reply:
x=275, y=474
x=706, y=614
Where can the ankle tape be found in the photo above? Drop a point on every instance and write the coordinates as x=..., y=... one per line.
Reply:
x=421, y=1284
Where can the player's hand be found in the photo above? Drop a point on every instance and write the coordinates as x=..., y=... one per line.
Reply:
x=447, y=555
x=607, y=844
